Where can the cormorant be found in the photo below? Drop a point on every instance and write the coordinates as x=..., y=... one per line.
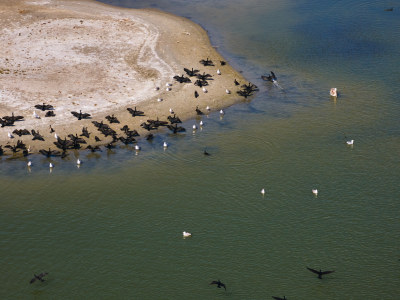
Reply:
x=219, y=284
x=320, y=273
x=38, y=277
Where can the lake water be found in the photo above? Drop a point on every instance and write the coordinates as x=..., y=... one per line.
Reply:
x=112, y=229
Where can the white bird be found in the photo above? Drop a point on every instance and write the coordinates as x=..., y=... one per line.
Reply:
x=137, y=147
x=205, y=90
x=208, y=108
x=218, y=72
x=263, y=192
x=171, y=111
x=56, y=136
x=221, y=112
x=35, y=115
x=168, y=89
x=160, y=99
x=315, y=192
x=194, y=127
x=168, y=84
x=351, y=142
x=186, y=234
x=78, y=161
x=201, y=123
x=227, y=91
x=10, y=135
x=51, y=165
x=165, y=145
x=29, y=163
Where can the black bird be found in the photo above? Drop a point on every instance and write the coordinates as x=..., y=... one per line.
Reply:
x=63, y=144
x=85, y=132
x=198, y=111
x=51, y=129
x=204, y=76
x=44, y=106
x=182, y=79
x=175, y=128
x=6, y=122
x=49, y=152
x=80, y=115
x=206, y=153
x=50, y=113
x=219, y=284
x=149, y=137
x=110, y=146
x=320, y=273
x=21, y=132
x=174, y=119
x=191, y=72
x=236, y=82
x=271, y=77
x=196, y=94
x=389, y=9
x=38, y=277
x=36, y=135
x=279, y=298
x=13, y=118
x=112, y=119
x=206, y=62
x=93, y=149
x=223, y=63
x=97, y=139
x=135, y=112
x=76, y=138
x=201, y=83
x=1, y=150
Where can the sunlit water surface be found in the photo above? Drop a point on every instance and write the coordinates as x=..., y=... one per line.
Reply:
x=112, y=229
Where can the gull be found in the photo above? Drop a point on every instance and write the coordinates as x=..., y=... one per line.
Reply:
x=263, y=192
x=350, y=142
x=221, y=112
x=218, y=72
x=168, y=89
x=186, y=234
x=208, y=108
x=201, y=123
x=56, y=136
x=78, y=161
x=29, y=163
x=35, y=115
x=137, y=147
x=168, y=84
x=160, y=99
x=205, y=90
x=165, y=145
x=194, y=127
x=227, y=91
x=51, y=165
x=315, y=192
x=10, y=135
x=171, y=111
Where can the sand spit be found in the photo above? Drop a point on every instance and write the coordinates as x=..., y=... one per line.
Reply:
x=84, y=55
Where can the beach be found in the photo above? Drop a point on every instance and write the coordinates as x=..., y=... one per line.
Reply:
x=100, y=60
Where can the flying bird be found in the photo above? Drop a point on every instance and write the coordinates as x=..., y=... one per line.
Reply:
x=38, y=277
x=320, y=273
x=219, y=284
x=279, y=298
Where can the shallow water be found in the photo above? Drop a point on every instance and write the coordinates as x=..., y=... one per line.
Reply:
x=112, y=229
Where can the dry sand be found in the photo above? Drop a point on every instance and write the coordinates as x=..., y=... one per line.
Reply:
x=84, y=55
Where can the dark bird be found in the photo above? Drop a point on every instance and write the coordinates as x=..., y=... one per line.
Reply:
x=51, y=129
x=1, y=150
x=50, y=113
x=97, y=139
x=85, y=132
x=206, y=62
x=271, y=77
x=21, y=132
x=174, y=119
x=198, y=111
x=219, y=284
x=201, y=83
x=80, y=115
x=204, y=76
x=206, y=153
x=182, y=79
x=175, y=128
x=112, y=119
x=191, y=73
x=196, y=94
x=93, y=149
x=223, y=63
x=76, y=138
x=110, y=146
x=50, y=152
x=13, y=118
x=236, y=82
x=44, y=106
x=320, y=273
x=36, y=135
x=279, y=298
x=4, y=122
x=389, y=9
x=135, y=112
x=63, y=144
x=38, y=277
x=149, y=137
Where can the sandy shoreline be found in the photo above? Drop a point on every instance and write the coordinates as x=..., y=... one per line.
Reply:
x=84, y=55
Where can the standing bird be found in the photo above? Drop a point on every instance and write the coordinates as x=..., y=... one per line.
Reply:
x=320, y=273
x=38, y=277
x=219, y=284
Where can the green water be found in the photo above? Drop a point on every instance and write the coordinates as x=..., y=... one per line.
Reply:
x=112, y=229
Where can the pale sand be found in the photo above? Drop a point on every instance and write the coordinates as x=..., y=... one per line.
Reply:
x=84, y=55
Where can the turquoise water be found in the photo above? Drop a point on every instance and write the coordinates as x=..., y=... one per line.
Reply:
x=112, y=229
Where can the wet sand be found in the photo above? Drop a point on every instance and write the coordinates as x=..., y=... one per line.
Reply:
x=88, y=56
